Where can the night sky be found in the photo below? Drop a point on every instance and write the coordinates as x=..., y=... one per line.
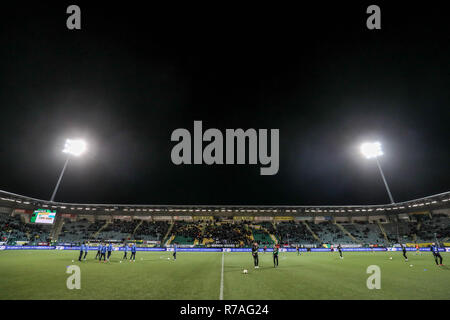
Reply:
x=133, y=74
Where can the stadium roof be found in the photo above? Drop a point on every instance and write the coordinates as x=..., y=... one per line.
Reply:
x=15, y=201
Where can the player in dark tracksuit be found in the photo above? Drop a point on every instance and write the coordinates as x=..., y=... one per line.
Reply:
x=103, y=254
x=175, y=251
x=275, y=256
x=110, y=247
x=99, y=252
x=436, y=254
x=85, y=251
x=81, y=252
x=125, y=249
x=298, y=249
x=340, y=251
x=133, y=253
x=255, y=255
x=404, y=252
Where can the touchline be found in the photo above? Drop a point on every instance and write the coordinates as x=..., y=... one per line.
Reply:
x=213, y=152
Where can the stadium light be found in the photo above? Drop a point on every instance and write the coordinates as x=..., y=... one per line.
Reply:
x=373, y=150
x=75, y=147
x=72, y=147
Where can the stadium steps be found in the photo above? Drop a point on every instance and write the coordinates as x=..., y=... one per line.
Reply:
x=251, y=233
x=170, y=240
x=168, y=232
x=100, y=230
x=345, y=231
x=382, y=231
x=135, y=229
x=57, y=227
x=275, y=240
x=312, y=232
x=202, y=229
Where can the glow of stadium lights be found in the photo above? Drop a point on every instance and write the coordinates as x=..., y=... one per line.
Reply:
x=373, y=150
x=74, y=147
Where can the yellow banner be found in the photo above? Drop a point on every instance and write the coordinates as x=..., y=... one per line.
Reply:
x=283, y=218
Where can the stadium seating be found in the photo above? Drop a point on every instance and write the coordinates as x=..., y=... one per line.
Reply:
x=186, y=233
x=413, y=228
x=292, y=232
x=365, y=233
x=226, y=233
x=13, y=229
x=151, y=230
x=330, y=233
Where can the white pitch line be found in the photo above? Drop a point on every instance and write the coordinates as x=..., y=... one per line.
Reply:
x=221, y=280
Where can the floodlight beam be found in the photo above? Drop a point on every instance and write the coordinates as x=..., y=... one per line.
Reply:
x=59, y=179
x=385, y=182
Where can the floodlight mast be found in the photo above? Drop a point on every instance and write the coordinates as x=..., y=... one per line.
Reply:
x=373, y=150
x=74, y=148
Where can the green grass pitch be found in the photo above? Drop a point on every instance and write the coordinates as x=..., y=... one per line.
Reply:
x=42, y=275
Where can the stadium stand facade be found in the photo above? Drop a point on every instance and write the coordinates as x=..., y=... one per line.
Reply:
x=416, y=221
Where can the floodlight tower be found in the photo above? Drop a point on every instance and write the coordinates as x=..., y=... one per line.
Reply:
x=373, y=150
x=72, y=148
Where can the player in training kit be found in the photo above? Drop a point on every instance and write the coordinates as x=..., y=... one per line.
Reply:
x=340, y=251
x=133, y=253
x=81, y=251
x=175, y=251
x=297, y=248
x=404, y=252
x=436, y=254
x=110, y=247
x=99, y=251
x=275, y=256
x=85, y=251
x=417, y=249
x=255, y=255
x=125, y=249
x=265, y=248
x=103, y=253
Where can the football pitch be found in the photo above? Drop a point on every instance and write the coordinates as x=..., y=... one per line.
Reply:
x=32, y=274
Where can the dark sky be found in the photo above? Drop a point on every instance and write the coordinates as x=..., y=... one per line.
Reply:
x=133, y=74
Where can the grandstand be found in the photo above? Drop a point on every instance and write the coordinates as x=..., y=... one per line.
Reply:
x=415, y=221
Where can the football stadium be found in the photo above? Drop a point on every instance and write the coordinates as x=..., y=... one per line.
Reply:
x=205, y=252
x=213, y=159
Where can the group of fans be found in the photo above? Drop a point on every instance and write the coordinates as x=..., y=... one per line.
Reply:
x=104, y=248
